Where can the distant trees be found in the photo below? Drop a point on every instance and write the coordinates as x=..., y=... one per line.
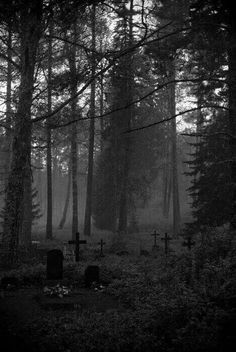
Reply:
x=213, y=189
x=62, y=68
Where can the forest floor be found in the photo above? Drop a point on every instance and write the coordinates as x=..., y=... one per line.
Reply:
x=148, y=301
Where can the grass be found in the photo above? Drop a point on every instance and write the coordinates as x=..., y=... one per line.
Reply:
x=170, y=305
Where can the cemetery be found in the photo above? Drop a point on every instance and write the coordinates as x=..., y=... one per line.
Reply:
x=145, y=292
x=117, y=176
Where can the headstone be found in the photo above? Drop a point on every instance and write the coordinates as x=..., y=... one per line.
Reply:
x=166, y=239
x=155, y=234
x=91, y=275
x=54, y=264
x=101, y=247
x=68, y=253
x=77, y=243
x=188, y=243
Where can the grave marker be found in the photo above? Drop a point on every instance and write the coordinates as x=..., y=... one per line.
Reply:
x=101, y=247
x=155, y=234
x=166, y=239
x=54, y=264
x=77, y=243
x=188, y=243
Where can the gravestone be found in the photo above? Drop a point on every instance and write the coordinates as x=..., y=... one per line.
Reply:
x=155, y=246
x=54, y=264
x=77, y=242
x=166, y=239
x=102, y=243
x=91, y=275
x=188, y=243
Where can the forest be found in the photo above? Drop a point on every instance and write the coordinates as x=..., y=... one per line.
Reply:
x=117, y=122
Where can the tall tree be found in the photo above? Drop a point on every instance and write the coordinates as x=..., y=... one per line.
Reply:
x=89, y=193
x=174, y=161
x=128, y=86
x=8, y=102
x=68, y=191
x=74, y=144
x=232, y=106
x=30, y=16
x=49, y=234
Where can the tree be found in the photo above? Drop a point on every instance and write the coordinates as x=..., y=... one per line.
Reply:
x=214, y=19
x=65, y=209
x=211, y=200
x=49, y=234
x=30, y=16
x=88, y=206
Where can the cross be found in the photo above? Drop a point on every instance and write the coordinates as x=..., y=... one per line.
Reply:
x=77, y=243
x=101, y=244
x=166, y=239
x=155, y=234
x=188, y=243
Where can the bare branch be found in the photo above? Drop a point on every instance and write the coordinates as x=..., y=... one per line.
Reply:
x=159, y=87
x=225, y=134
x=174, y=116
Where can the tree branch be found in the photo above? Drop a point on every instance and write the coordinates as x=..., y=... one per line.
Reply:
x=159, y=87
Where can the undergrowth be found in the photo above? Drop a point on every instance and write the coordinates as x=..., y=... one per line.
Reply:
x=185, y=303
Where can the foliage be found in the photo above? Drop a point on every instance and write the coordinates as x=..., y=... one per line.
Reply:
x=211, y=161
x=163, y=309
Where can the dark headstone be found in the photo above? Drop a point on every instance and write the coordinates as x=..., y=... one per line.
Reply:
x=144, y=252
x=55, y=264
x=91, y=275
x=189, y=243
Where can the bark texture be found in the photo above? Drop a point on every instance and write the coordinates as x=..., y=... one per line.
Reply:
x=30, y=30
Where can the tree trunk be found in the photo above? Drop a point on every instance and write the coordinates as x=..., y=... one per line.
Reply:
x=30, y=23
x=8, y=139
x=49, y=234
x=101, y=111
x=123, y=206
x=175, y=183
x=63, y=219
x=74, y=147
x=232, y=115
x=88, y=207
x=26, y=229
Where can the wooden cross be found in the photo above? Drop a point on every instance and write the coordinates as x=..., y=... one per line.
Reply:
x=101, y=250
x=188, y=243
x=77, y=243
x=166, y=239
x=155, y=234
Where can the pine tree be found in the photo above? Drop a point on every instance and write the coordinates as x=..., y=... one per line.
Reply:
x=211, y=185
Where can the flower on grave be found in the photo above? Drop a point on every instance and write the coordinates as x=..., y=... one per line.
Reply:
x=56, y=291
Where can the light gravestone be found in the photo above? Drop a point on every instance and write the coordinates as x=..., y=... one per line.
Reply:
x=54, y=264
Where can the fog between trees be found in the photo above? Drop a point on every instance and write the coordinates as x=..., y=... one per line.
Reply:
x=133, y=101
